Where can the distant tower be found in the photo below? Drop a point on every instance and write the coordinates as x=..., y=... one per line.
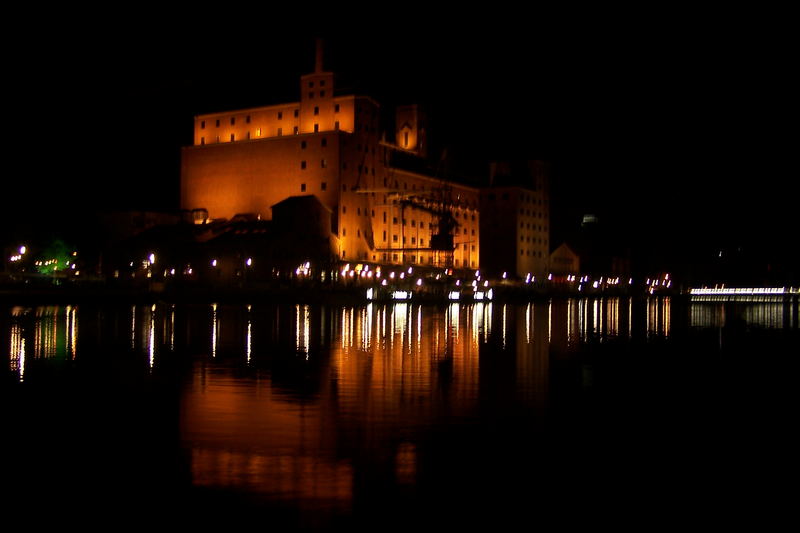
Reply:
x=316, y=97
x=411, y=125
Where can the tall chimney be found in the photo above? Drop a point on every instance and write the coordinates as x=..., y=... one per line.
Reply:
x=318, y=57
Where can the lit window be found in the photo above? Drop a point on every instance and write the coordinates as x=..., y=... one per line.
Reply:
x=302, y=187
x=258, y=132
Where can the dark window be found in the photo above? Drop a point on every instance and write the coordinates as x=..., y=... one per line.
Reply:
x=344, y=209
x=232, y=137
x=302, y=187
x=344, y=232
x=322, y=83
x=311, y=84
x=233, y=121
x=303, y=145
x=384, y=235
x=316, y=128
x=296, y=113
x=280, y=115
x=218, y=123
x=316, y=110
x=302, y=164
x=296, y=130
x=247, y=119
x=322, y=94
x=336, y=108
x=336, y=125
x=324, y=186
x=311, y=95
x=202, y=140
x=202, y=124
x=384, y=217
x=324, y=142
x=394, y=238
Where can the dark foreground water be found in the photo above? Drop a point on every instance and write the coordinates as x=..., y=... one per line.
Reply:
x=612, y=412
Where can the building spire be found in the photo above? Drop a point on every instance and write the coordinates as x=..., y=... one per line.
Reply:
x=318, y=57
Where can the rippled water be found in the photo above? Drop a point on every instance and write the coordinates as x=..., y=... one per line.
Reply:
x=396, y=416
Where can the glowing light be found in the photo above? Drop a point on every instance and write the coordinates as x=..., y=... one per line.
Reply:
x=486, y=283
x=419, y=282
x=369, y=293
x=745, y=291
x=630, y=281
x=401, y=295
x=391, y=275
x=152, y=259
x=505, y=275
x=402, y=275
x=410, y=270
x=22, y=250
x=458, y=283
x=477, y=273
x=213, y=262
x=383, y=283
x=490, y=294
x=478, y=295
x=594, y=284
x=249, y=261
x=454, y=295
x=550, y=277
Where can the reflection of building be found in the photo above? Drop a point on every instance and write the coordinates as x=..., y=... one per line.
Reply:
x=330, y=146
x=515, y=227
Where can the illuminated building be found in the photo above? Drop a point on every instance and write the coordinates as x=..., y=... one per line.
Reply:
x=332, y=147
x=516, y=219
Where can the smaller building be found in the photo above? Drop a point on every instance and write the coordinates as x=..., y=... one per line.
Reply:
x=564, y=261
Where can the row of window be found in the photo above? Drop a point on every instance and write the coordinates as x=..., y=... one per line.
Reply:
x=322, y=186
x=535, y=240
x=410, y=258
x=296, y=113
x=537, y=214
x=524, y=225
x=529, y=253
x=323, y=163
x=525, y=198
x=295, y=131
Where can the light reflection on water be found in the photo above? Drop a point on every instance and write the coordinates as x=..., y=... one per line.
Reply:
x=312, y=404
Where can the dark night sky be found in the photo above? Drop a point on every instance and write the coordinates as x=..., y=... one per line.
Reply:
x=668, y=128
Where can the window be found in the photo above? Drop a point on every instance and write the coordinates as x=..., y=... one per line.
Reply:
x=247, y=119
x=303, y=165
x=296, y=113
x=202, y=140
x=302, y=187
x=358, y=233
x=394, y=238
x=248, y=134
x=202, y=124
x=322, y=94
x=405, y=139
x=311, y=85
x=217, y=139
x=316, y=110
x=344, y=209
x=394, y=220
x=303, y=145
x=336, y=108
x=280, y=115
x=218, y=123
x=316, y=128
x=323, y=164
x=384, y=235
x=280, y=132
x=413, y=223
x=233, y=121
x=336, y=125
x=422, y=242
x=258, y=132
x=232, y=137
x=296, y=130
x=324, y=142
x=358, y=211
x=324, y=186
x=413, y=240
x=344, y=232
x=373, y=213
x=384, y=217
